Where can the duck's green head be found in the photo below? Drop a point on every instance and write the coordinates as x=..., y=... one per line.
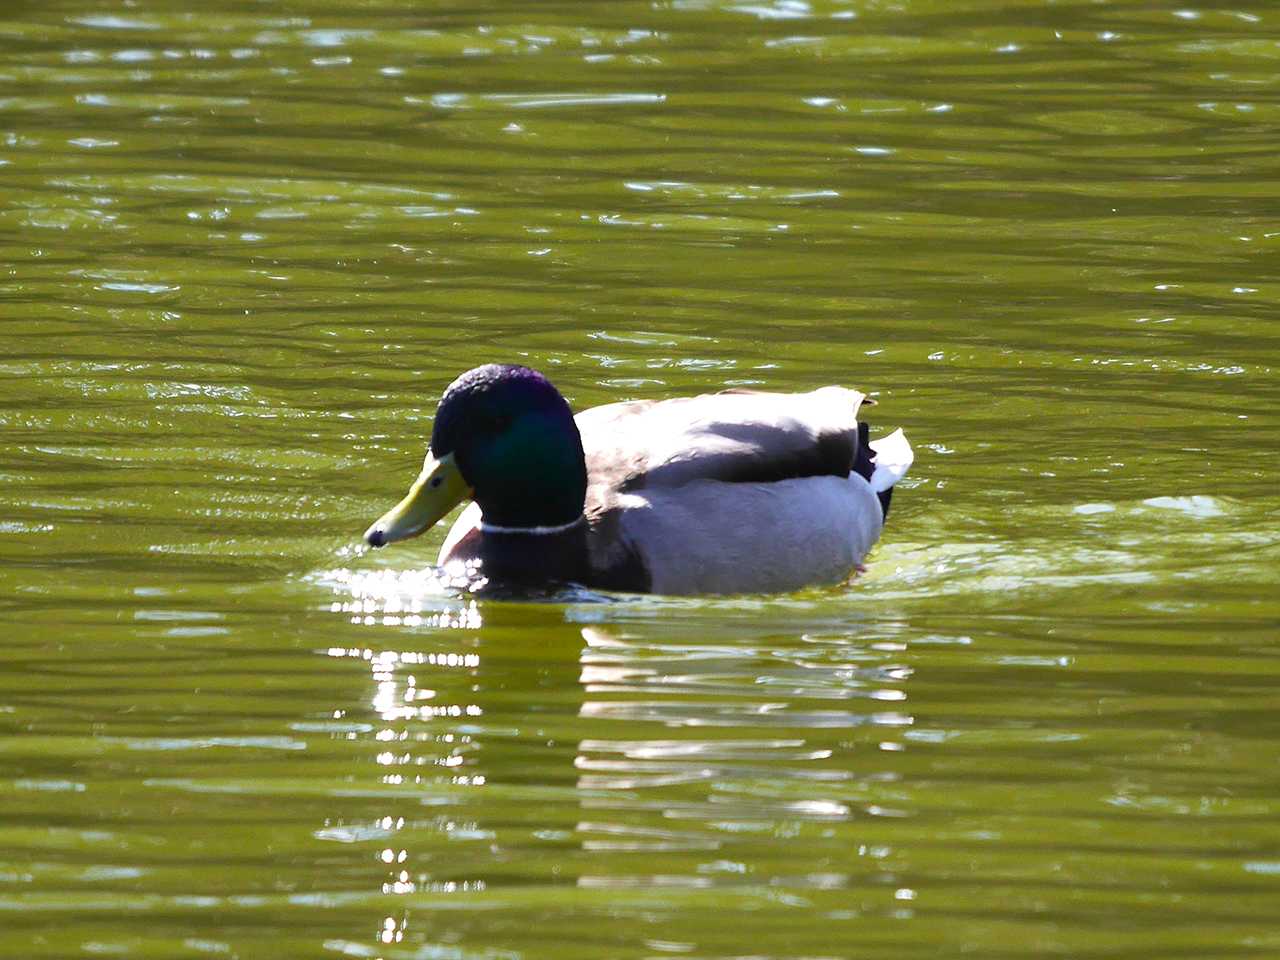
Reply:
x=504, y=437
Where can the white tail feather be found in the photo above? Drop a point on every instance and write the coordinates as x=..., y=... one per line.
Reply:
x=893, y=458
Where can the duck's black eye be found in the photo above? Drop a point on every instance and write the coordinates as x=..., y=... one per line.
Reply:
x=499, y=422
x=435, y=482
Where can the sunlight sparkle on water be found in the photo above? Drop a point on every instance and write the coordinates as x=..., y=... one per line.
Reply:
x=410, y=598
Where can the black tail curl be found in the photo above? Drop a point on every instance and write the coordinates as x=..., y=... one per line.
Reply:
x=864, y=464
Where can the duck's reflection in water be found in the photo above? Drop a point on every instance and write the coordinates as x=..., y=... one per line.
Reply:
x=708, y=752
x=641, y=752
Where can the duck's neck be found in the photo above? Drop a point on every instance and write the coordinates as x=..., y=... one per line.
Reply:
x=534, y=556
x=547, y=530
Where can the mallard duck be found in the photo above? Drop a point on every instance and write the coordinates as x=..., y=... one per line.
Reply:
x=734, y=492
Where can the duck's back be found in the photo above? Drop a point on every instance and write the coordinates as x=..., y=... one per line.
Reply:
x=736, y=436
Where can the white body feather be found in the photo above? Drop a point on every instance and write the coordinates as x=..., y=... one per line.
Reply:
x=712, y=537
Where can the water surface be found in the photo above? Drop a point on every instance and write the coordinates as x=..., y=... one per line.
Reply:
x=243, y=252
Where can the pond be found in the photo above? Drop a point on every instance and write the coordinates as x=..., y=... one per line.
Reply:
x=244, y=250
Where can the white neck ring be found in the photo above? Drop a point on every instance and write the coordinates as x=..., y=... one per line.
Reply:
x=532, y=531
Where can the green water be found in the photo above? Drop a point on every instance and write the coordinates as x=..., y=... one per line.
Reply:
x=243, y=248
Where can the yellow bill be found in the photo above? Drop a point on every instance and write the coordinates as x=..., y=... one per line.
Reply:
x=438, y=489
